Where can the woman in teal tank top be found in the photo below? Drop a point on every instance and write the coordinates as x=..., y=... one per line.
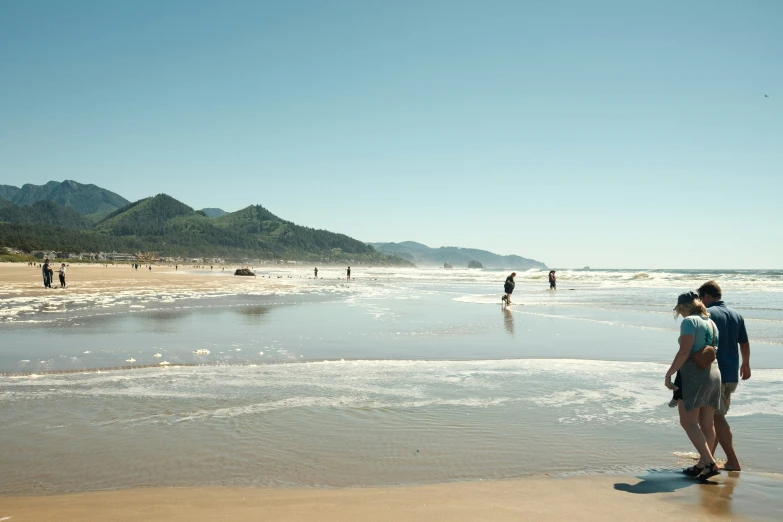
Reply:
x=701, y=330
x=701, y=388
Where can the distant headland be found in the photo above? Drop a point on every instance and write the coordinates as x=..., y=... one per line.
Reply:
x=422, y=255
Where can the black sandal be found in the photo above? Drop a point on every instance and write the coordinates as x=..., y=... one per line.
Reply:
x=694, y=471
x=709, y=471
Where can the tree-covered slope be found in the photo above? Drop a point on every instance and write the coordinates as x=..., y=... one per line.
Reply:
x=258, y=221
x=85, y=199
x=146, y=217
x=7, y=192
x=43, y=213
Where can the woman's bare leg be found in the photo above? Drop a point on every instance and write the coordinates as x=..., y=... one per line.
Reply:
x=689, y=420
x=707, y=425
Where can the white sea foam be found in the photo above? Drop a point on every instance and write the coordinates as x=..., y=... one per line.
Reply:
x=580, y=391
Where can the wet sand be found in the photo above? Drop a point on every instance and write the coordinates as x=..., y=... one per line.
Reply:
x=597, y=498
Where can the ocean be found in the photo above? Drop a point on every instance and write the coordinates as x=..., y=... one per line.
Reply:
x=400, y=376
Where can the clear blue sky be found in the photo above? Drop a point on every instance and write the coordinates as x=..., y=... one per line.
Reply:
x=602, y=133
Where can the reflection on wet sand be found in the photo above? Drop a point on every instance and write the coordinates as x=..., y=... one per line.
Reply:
x=508, y=320
x=717, y=497
x=253, y=310
x=730, y=495
x=161, y=320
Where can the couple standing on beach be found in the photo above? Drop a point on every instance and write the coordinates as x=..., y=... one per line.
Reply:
x=708, y=370
x=48, y=274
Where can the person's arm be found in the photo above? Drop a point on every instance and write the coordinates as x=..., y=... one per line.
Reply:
x=745, y=368
x=686, y=343
x=744, y=344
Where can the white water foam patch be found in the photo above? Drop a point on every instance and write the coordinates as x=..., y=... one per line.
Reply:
x=137, y=298
x=768, y=281
x=479, y=299
x=574, y=391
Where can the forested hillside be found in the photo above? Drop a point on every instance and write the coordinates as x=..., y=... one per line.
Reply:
x=43, y=213
x=169, y=227
x=84, y=199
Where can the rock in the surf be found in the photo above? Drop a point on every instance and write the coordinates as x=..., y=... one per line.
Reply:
x=244, y=272
x=475, y=264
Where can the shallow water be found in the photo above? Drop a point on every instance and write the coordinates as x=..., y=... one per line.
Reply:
x=398, y=377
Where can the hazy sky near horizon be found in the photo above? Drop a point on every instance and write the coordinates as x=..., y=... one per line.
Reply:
x=601, y=133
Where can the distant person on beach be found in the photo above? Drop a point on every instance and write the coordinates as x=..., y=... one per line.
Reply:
x=731, y=326
x=508, y=287
x=701, y=388
x=315, y=271
x=552, y=280
x=61, y=273
x=47, y=274
x=349, y=272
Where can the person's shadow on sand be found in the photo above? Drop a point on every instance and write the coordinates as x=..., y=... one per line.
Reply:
x=658, y=482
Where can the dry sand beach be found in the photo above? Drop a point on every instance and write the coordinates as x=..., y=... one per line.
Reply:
x=588, y=499
x=18, y=279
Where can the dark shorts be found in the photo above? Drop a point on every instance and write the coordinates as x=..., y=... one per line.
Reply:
x=508, y=288
x=552, y=284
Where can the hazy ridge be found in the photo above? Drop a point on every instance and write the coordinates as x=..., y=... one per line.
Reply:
x=422, y=255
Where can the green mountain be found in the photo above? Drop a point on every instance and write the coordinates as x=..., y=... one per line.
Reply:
x=43, y=213
x=169, y=227
x=213, y=212
x=422, y=255
x=84, y=199
x=146, y=217
x=7, y=192
x=274, y=232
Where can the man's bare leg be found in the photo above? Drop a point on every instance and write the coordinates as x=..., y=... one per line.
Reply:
x=725, y=438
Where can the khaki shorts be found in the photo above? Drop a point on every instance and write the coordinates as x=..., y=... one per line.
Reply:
x=725, y=397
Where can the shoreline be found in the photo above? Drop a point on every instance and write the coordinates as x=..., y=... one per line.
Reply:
x=735, y=496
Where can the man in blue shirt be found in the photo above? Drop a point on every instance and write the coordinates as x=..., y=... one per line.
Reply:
x=731, y=330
